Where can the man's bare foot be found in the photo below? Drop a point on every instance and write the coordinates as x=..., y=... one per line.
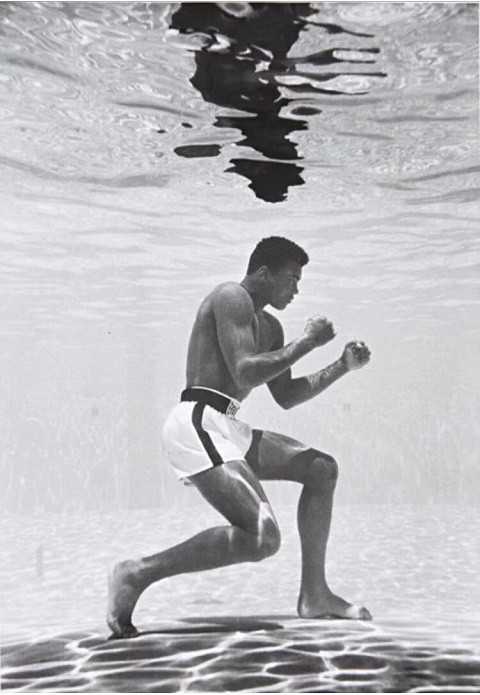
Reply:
x=331, y=606
x=123, y=595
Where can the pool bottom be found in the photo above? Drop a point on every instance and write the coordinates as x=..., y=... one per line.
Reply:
x=259, y=653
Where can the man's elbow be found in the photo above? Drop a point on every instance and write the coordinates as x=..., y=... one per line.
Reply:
x=245, y=378
x=284, y=401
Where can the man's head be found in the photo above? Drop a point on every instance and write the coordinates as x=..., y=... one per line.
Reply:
x=276, y=263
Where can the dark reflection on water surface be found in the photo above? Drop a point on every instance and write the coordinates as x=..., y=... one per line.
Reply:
x=245, y=53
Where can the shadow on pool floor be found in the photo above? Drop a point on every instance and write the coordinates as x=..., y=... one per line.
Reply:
x=258, y=653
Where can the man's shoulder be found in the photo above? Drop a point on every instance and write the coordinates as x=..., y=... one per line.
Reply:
x=228, y=288
x=233, y=296
x=232, y=291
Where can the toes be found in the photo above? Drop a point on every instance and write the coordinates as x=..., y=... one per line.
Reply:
x=364, y=614
x=357, y=613
x=133, y=632
x=130, y=634
x=122, y=630
x=337, y=610
x=124, y=633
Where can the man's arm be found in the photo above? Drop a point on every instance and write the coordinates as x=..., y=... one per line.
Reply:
x=289, y=392
x=235, y=316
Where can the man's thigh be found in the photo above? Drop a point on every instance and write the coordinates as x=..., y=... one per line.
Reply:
x=275, y=456
x=234, y=490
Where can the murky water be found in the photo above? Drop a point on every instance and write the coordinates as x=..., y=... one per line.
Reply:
x=146, y=148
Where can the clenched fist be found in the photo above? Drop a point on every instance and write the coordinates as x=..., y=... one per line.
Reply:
x=356, y=355
x=319, y=330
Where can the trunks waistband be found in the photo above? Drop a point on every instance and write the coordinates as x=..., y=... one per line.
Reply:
x=217, y=401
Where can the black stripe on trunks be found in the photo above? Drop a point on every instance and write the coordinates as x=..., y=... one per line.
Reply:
x=205, y=438
x=253, y=452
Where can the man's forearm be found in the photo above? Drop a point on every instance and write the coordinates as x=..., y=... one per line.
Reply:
x=258, y=369
x=306, y=387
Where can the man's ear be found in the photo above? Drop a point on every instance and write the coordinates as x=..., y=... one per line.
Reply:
x=263, y=273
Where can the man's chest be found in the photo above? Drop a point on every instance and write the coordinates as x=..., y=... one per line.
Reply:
x=262, y=332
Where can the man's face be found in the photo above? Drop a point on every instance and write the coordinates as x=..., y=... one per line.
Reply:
x=284, y=284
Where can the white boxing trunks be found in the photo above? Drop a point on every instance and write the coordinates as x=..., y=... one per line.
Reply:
x=201, y=432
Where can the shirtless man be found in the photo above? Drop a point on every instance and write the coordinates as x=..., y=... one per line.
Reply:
x=236, y=345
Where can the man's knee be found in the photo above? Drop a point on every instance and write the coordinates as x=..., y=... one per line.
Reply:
x=267, y=540
x=322, y=470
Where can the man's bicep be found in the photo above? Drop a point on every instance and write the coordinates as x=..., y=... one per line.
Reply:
x=234, y=319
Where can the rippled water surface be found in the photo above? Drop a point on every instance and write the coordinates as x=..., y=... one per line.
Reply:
x=146, y=148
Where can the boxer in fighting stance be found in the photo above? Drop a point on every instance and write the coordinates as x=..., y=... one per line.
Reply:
x=236, y=345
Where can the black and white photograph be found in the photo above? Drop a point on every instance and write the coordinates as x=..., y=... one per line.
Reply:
x=239, y=347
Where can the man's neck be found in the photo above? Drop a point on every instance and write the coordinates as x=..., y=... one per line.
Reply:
x=251, y=286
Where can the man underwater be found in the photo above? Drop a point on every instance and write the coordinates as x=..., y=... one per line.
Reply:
x=235, y=345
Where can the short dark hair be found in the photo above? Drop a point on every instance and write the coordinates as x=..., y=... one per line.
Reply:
x=273, y=252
